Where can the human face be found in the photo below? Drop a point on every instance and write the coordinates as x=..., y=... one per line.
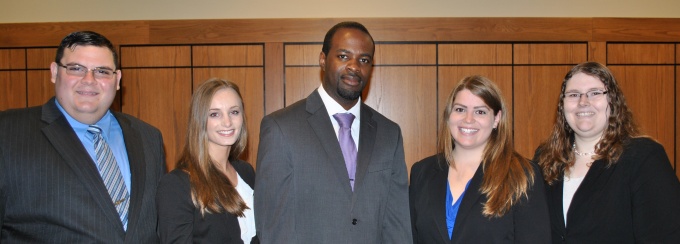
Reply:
x=587, y=117
x=225, y=119
x=86, y=99
x=348, y=66
x=471, y=121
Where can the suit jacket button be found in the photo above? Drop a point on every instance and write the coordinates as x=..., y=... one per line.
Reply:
x=354, y=222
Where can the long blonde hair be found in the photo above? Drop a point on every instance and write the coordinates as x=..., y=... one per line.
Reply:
x=211, y=191
x=507, y=175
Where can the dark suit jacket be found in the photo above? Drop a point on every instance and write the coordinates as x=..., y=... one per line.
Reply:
x=526, y=222
x=51, y=191
x=302, y=191
x=179, y=221
x=637, y=200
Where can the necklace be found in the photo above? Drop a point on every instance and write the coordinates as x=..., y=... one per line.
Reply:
x=580, y=153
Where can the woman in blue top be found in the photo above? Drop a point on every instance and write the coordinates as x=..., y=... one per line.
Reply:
x=477, y=189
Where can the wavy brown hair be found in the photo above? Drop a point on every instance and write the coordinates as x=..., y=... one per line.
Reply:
x=507, y=175
x=556, y=154
x=211, y=190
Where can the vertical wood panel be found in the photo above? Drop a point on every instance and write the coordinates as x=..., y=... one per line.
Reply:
x=675, y=160
x=300, y=82
x=550, y=53
x=475, y=54
x=405, y=54
x=649, y=93
x=273, y=78
x=597, y=51
x=12, y=59
x=161, y=98
x=155, y=56
x=40, y=58
x=13, y=85
x=405, y=95
x=536, y=93
x=227, y=55
x=251, y=84
x=40, y=88
x=302, y=54
x=640, y=53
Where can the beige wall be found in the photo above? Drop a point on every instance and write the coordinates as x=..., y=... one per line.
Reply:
x=21, y=11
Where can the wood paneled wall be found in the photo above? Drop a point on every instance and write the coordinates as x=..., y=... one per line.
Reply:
x=417, y=63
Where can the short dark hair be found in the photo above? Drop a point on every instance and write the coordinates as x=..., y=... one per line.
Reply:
x=348, y=24
x=85, y=38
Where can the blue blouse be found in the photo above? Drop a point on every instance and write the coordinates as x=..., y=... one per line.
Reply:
x=452, y=208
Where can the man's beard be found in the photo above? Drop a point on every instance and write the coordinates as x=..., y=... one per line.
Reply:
x=349, y=95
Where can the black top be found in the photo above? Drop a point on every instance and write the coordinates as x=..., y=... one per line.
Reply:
x=637, y=200
x=526, y=222
x=179, y=221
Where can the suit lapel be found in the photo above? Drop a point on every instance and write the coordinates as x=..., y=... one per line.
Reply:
x=62, y=137
x=438, y=205
x=471, y=198
x=320, y=122
x=588, y=189
x=136, y=159
x=367, y=133
x=555, y=198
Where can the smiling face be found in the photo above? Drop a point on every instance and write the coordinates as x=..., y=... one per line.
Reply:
x=471, y=121
x=85, y=98
x=348, y=65
x=225, y=120
x=587, y=117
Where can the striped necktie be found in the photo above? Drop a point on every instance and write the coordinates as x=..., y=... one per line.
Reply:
x=110, y=173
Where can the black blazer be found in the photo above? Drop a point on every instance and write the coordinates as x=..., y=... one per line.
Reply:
x=179, y=221
x=637, y=200
x=50, y=188
x=526, y=222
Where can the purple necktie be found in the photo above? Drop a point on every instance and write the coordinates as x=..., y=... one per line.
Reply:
x=349, y=150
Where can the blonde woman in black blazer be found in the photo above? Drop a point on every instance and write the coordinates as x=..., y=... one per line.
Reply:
x=621, y=185
x=500, y=195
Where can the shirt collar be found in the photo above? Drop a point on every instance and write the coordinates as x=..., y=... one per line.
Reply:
x=333, y=107
x=104, y=123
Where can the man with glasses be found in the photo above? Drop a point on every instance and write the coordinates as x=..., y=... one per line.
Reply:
x=72, y=170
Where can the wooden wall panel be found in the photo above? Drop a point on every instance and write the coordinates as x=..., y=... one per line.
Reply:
x=449, y=76
x=640, y=53
x=158, y=56
x=572, y=53
x=417, y=54
x=536, y=93
x=301, y=54
x=251, y=85
x=40, y=58
x=300, y=82
x=649, y=92
x=273, y=78
x=39, y=87
x=404, y=95
x=228, y=55
x=475, y=54
x=14, y=58
x=13, y=85
x=161, y=98
x=597, y=51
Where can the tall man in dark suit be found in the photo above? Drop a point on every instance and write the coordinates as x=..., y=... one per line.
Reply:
x=310, y=187
x=72, y=171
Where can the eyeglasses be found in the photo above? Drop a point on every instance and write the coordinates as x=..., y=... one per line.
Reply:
x=81, y=71
x=591, y=95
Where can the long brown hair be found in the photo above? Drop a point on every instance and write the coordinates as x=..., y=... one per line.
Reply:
x=211, y=190
x=507, y=175
x=556, y=153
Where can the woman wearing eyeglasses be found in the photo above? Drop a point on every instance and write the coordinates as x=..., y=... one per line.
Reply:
x=606, y=183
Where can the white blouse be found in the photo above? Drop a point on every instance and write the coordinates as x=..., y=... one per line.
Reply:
x=570, y=186
x=247, y=223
